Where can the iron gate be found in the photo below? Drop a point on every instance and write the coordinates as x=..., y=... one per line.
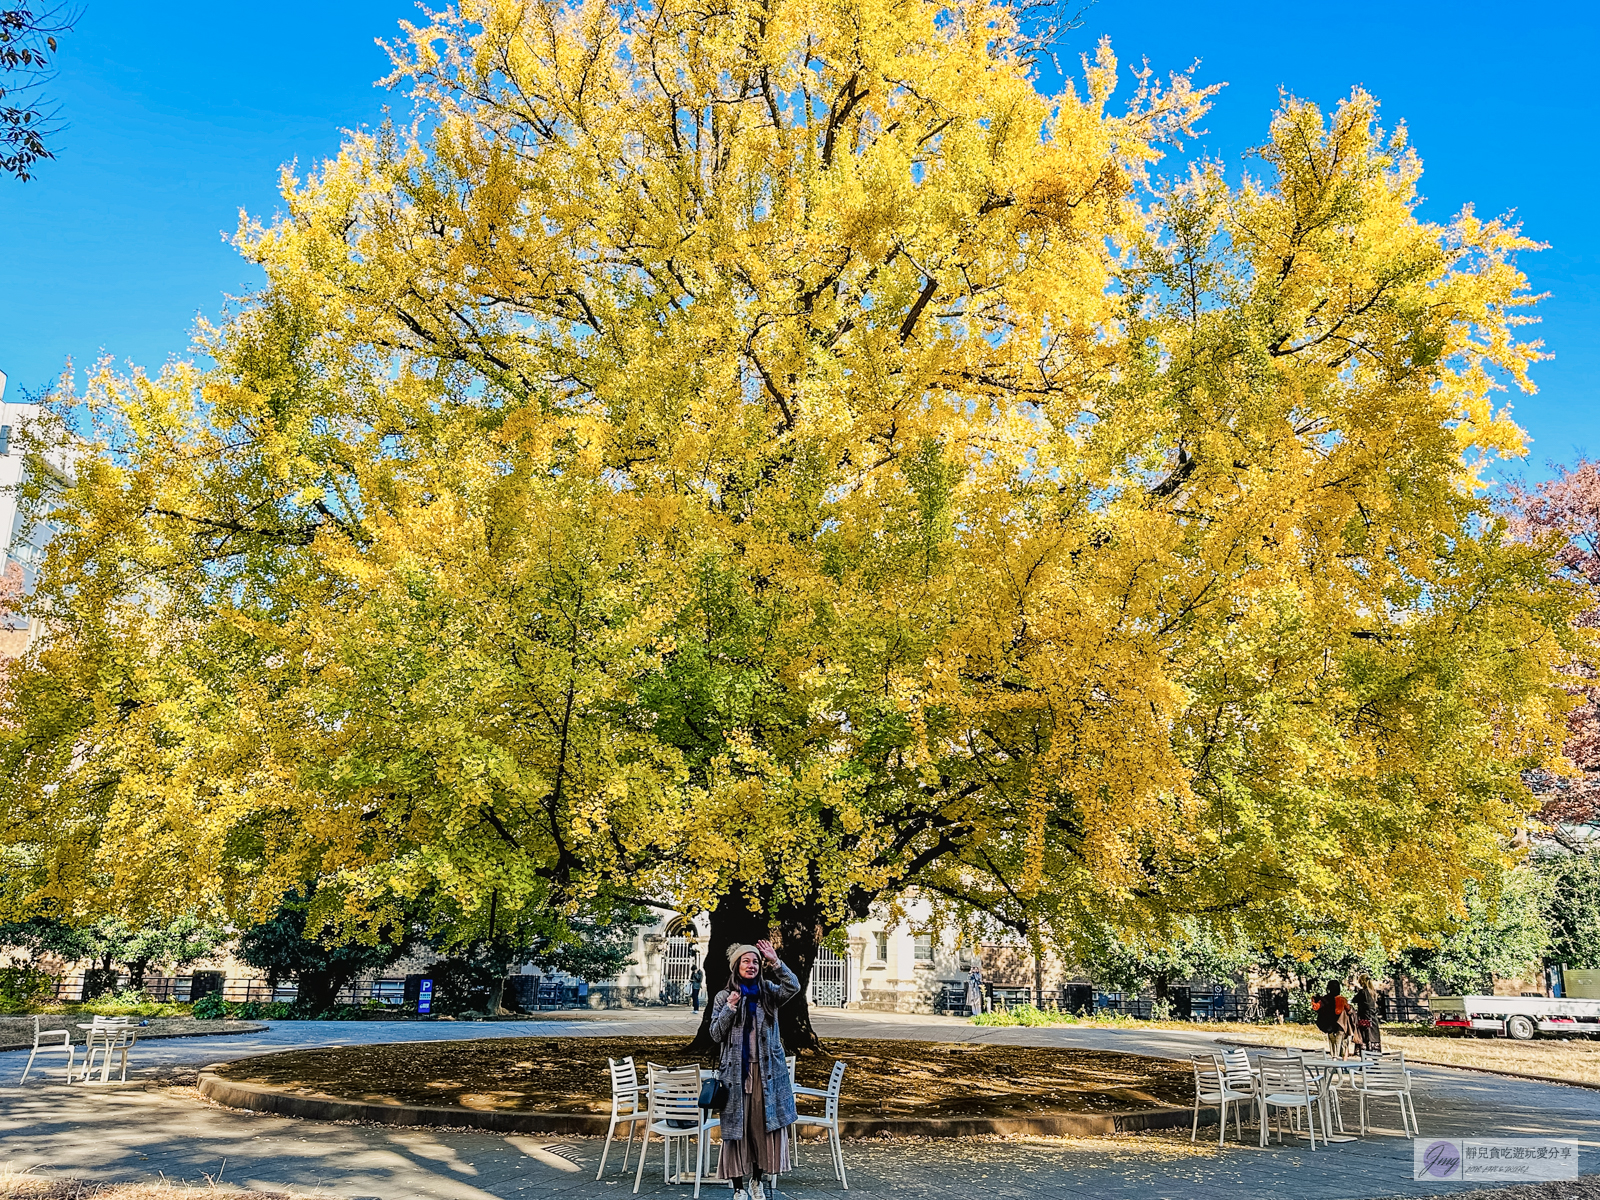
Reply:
x=676, y=964
x=830, y=979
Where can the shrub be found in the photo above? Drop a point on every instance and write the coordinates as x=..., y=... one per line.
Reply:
x=1025, y=1014
x=210, y=1007
x=21, y=987
x=132, y=1002
x=261, y=1010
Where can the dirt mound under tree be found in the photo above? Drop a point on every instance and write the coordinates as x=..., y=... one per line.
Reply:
x=882, y=1079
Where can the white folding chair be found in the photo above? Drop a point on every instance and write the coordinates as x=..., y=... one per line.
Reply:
x=1211, y=1087
x=1388, y=1077
x=1285, y=1084
x=107, y=1036
x=49, y=1041
x=675, y=1117
x=829, y=1120
x=624, y=1108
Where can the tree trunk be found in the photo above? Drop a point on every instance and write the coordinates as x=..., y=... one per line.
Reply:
x=136, y=970
x=733, y=924
x=801, y=936
x=1038, y=979
x=319, y=989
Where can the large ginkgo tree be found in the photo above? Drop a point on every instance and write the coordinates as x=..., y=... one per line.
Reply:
x=761, y=458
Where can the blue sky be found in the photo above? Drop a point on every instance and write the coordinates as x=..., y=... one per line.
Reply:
x=181, y=113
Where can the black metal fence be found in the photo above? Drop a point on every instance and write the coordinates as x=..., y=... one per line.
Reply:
x=182, y=989
x=1181, y=1003
x=528, y=993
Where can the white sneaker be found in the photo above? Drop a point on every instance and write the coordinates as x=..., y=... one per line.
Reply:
x=757, y=1192
x=741, y=1194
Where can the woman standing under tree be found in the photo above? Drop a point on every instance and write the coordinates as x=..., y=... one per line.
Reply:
x=1367, y=1030
x=760, y=1107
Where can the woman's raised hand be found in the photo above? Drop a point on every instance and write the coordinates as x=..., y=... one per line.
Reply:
x=733, y=1000
x=767, y=952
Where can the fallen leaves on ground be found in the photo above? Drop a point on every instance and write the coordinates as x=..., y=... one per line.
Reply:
x=882, y=1078
x=25, y=1186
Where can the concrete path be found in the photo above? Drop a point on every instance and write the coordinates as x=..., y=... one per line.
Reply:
x=148, y=1126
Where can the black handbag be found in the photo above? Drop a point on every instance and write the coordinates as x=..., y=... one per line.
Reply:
x=714, y=1095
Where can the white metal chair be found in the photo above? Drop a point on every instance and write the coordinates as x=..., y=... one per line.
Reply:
x=624, y=1108
x=1388, y=1077
x=108, y=1036
x=675, y=1116
x=829, y=1120
x=1211, y=1086
x=794, y=1141
x=49, y=1041
x=1284, y=1085
x=1241, y=1076
x=709, y=1121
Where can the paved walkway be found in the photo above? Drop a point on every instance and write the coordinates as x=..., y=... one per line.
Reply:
x=144, y=1128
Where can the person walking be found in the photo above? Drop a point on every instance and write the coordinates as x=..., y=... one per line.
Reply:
x=1330, y=1010
x=975, y=988
x=760, y=1107
x=696, y=978
x=1367, y=1030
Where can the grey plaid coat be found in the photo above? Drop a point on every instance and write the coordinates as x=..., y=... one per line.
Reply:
x=778, y=986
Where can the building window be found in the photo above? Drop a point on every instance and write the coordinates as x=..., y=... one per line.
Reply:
x=922, y=947
x=880, y=947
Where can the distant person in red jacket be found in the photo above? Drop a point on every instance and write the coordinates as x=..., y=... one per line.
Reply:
x=1331, y=1013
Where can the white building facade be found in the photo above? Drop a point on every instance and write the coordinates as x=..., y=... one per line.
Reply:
x=23, y=546
x=902, y=965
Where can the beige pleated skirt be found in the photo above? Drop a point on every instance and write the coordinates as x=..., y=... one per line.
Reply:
x=757, y=1148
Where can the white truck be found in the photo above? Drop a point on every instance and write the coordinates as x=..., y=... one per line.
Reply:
x=1519, y=1017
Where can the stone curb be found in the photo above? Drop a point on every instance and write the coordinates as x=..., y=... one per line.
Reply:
x=256, y=1098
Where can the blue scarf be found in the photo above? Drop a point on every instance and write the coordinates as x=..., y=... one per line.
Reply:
x=750, y=1007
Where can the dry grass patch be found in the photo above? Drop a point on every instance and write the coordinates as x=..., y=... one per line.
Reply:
x=1575, y=1061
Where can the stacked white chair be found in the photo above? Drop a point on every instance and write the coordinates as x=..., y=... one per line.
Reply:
x=108, y=1036
x=675, y=1116
x=624, y=1108
x=1239, y=1074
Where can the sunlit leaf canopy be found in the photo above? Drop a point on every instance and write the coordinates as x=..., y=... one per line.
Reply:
x=779, y=448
